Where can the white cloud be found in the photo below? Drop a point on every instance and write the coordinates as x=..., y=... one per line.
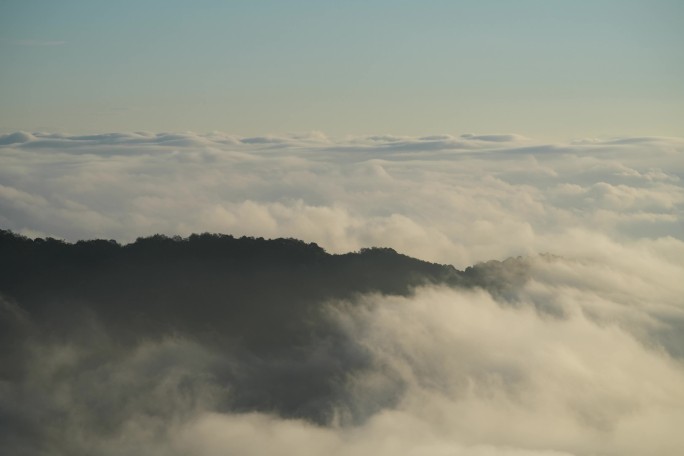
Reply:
x=582, y=356
x=478, y=377
x=449, y=199
x=471, y=375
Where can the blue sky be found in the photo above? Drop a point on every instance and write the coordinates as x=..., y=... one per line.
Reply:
x=547, y=69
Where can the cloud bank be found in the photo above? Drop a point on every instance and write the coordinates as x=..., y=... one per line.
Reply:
x=573, y=346
x=535, y=356
x=455, y=200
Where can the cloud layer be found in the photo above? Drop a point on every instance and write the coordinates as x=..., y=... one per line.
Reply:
x=450, y=199
x=574, y=346
x=442, y=370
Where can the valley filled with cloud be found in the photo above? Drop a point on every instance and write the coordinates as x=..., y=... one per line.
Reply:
x=545, y=316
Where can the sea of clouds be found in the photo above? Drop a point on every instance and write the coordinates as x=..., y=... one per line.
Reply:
x=456, y=200
x=582, y=354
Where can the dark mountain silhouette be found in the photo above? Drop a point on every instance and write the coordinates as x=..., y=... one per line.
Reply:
x=256, y=310
x=208, y=284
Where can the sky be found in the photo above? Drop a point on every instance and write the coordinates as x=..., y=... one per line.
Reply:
x=548, y=69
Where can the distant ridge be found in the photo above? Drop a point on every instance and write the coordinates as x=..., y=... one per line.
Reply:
x=261, y=301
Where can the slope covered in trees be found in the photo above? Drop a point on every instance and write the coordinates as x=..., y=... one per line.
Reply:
x=259, y=309
x=205, y=283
